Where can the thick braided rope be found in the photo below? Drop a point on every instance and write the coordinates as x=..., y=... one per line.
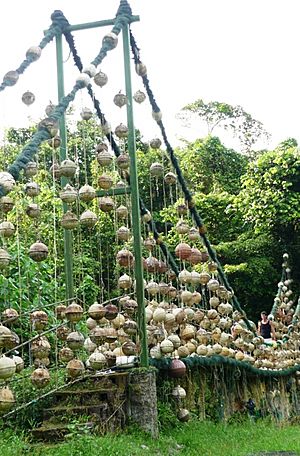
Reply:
x=42, y=134
x=181, y=180
x=55, y=28
x=217, y=360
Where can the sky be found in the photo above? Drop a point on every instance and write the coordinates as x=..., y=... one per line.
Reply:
x=243, y=52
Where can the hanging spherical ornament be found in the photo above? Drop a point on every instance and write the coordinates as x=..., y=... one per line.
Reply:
x=38, y=251
x=177, y=368
x=139, y=96
x=83, y=80
x=11, y=78
x=120, y=100
x=170, y=179
x=19, y=362
x=10, y=316
x=4, y=259
x=122, y=212
x=213, y=285
x=74, y=312
x=7, y=367
x=205, y=256
x=33, y=210
x=196, y=298
x=90, y=70
x=125, y=258
x=204, y=278
x=38, y=320
x=111, y=311
x=150, y=243
x=152, y=288
x=55, y=171
x=123, y=161
x=110, y=40
x=7, y=229
x=141, y=69
x=69, y=221
x=7, y=399
x=172, y=292
x=182, y=227
x=50, y=125
x=212, y=266
x=178, y=392
x=106, y=204
x=157, y=115
x=195, y=256
x=194, y=234
x=68, y=168
x=62, y=332
x=75, y=340
x=40, y=377
x=49, y=109
x=167, y=346
x=5, y=336
x=121, y=131
x=156, y=169
x=87, y=193
x=97, y=360
x=28, y=98
x=75, y=368
x=100, y=79
x=65, y=354
x=184, y=276
x=151, y=264
x=31, y=169
x=7, y=181
x=123, y=233
x=68, y=194
x=97, y=311
x=88, y=218
x=183, y=251
x=182, y=209
x=33, y=53
x=125, y=282
x=40, y=348
x=86, y=114
x=6, y=204
x=32, y=189
x=195, y=278
x=146, y=217
x=155, y=143
x=105, y=158
x=105, y=181
x=60, y=311
x=101, y=147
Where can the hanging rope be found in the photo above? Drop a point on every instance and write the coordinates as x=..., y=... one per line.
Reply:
x=187, y=194
x=110, y=137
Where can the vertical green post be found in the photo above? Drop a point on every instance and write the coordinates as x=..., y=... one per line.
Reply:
x=136, y=223
x=68, y=244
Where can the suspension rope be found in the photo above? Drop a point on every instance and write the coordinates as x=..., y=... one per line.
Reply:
x=187, y=194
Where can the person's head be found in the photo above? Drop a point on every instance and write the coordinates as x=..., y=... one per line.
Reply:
x=264, y=316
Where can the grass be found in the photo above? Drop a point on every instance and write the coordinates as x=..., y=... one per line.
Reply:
x=193, y=438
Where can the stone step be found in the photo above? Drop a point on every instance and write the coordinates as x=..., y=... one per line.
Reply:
x=99, y=411
x=52, y=432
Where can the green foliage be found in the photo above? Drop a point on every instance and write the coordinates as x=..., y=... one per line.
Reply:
x=192, y=439
x=270, y=196
x=217, y=114
x=252, y=263
x=208, y=165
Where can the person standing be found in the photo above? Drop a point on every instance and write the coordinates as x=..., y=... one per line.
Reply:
x=266, y=328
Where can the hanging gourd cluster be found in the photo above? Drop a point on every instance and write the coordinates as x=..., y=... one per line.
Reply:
x=188, y=315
